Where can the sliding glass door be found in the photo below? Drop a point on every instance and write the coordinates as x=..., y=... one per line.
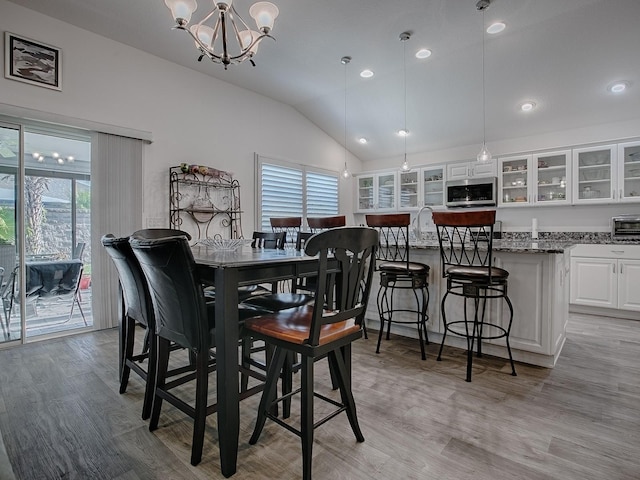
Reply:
x=47, y=262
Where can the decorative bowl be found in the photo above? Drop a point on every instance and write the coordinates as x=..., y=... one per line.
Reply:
x=225, y=244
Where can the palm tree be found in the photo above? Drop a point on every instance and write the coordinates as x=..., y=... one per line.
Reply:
x=34, y=188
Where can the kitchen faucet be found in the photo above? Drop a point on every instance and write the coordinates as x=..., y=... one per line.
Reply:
x=417, y=230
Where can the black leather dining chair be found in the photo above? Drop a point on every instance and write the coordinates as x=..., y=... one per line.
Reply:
x=136, y=311
x=324, y=329
x=182, y=316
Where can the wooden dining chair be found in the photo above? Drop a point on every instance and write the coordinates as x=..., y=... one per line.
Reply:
x=324, y=329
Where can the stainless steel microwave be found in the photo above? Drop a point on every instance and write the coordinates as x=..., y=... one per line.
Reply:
x=472, y=192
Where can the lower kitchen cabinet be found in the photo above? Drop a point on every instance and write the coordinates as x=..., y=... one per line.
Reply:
x=606, y=276
x=538, y=289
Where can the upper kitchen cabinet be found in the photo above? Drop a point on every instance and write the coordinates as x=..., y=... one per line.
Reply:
x=376, y=192
x=594, y=174
x=515, y=181
x=432, y=186
x=460, y=171
x=552, y=177
x=629, y=172
x=409, y=190
x=420, y=187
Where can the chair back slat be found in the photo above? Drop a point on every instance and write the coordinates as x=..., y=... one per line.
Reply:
x=269, y=240
x=346, y=265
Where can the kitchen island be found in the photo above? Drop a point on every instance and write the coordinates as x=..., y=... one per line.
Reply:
x=538, y=288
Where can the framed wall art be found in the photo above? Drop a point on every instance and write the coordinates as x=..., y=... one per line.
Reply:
x=33, y=62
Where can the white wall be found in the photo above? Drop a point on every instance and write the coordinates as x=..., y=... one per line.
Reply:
x=193, y=118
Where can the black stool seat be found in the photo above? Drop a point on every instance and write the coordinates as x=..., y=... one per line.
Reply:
x=407, y=268
x=478, y=274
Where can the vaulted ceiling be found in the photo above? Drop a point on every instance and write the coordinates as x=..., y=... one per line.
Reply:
x=561, y=54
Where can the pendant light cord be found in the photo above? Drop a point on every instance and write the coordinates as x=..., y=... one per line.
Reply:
x=404, y=69
x=484, y=108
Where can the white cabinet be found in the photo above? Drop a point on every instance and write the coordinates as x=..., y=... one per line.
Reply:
x=538, y=179
x=629, y=172
x=376, y=192
x=432, y=182
x=460, y=171
x=606, y=276
x=552, y=177
x=419, y=187
x=594, y=174
x=515, y=181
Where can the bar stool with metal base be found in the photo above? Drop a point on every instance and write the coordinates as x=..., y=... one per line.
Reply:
x=398, y=273
x=466, y=244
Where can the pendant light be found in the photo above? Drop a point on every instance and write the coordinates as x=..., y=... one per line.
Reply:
x=484, y=156
x=404, y=36
x=345, y=61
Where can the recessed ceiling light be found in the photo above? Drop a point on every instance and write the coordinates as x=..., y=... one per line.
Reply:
x=366, y=73
x=496, y=28
x=403, y=133
x=423, y=53
x=363, y=140
x=528, y=106
x=618, y=87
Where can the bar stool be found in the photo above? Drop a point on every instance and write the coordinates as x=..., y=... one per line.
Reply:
x=317, y=224
x=466, y=246
x=398, y=273
x=289, y=225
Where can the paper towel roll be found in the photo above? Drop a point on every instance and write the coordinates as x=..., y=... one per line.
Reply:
x=534, y=228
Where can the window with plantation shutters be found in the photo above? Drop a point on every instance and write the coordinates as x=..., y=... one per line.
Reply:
x=291, y=190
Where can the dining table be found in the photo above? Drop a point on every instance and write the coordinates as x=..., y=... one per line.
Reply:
x=226, y=271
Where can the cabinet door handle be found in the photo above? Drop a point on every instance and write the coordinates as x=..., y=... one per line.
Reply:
x=614, y=268
x=617, y=251
x=621, y=267
x=621, y=194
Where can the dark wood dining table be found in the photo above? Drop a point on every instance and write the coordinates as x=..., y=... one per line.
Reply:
x=227, y=270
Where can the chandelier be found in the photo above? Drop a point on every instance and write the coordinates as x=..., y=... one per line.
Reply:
x=214, y=32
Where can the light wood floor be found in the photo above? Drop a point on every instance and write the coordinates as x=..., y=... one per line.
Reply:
x=61, y=416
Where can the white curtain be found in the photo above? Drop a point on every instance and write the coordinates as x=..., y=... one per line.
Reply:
x=116, y=207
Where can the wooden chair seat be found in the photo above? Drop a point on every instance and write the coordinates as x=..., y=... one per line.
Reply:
x=293, y=326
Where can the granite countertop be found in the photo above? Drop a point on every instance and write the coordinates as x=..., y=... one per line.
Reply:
x=516, y=246
x=549, y=242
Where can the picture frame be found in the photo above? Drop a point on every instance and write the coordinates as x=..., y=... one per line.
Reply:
x=33, y=62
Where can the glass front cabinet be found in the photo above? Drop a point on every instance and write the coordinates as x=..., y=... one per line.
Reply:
x=376, y=191
x=552, y=177
x=420, y=187
x=593, y=174
x=432, y=179
x=629, y=172
x=514, y=181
